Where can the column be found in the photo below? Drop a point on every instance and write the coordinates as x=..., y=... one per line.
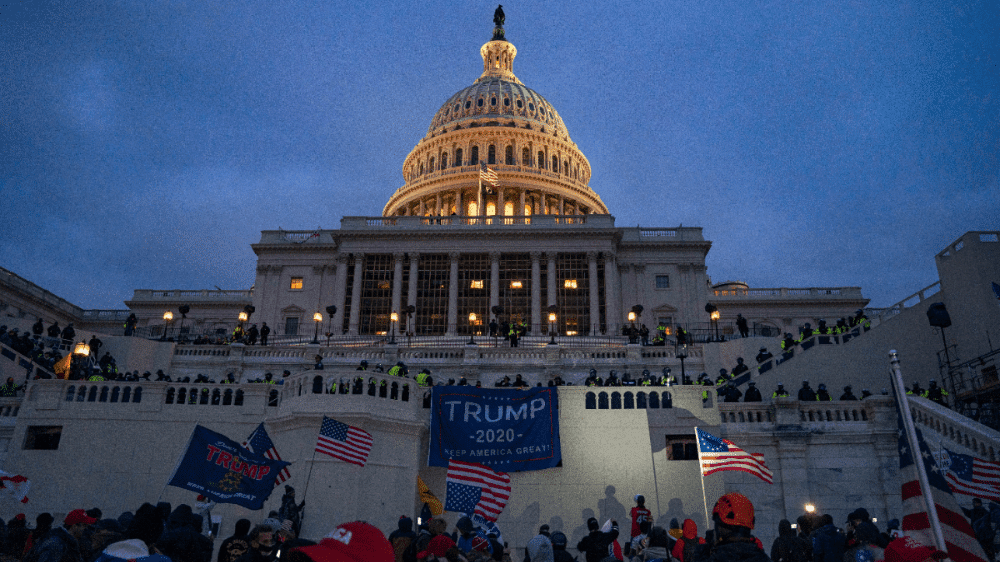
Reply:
x=453, y=295
x=551, y=259
x=536, y=292
x=437, y=205
x=421, y=210
x=562, y=205
x=459, y=207
x=595, y=309
x=612, y=296
x=397, y=282
x=411, y=296
x=494, y=279
x=500, y=203
x=520, y=208
x=340, y=293
x=352, y=325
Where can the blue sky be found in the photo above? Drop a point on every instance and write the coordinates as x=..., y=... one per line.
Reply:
x=146, y=144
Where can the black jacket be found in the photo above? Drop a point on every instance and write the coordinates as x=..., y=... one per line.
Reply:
x=595, y=545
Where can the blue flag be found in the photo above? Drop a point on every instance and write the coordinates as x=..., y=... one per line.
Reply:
x=507, y=430
x=223, y=471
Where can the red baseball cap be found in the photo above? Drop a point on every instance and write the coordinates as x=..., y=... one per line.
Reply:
x=438, y=546
x=907, y=549
x=350, y=542
x=78, y=516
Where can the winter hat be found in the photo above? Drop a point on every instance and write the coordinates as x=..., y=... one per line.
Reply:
x=438, y=546
x=271, y=522
x=907, y=549
x=437, y=526
x=132, y=550
x=350, y=542
x=78, y=516
x=592, y=524
x=540, y=549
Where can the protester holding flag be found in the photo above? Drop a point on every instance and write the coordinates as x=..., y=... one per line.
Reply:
x=595, y=545
x=733, y=516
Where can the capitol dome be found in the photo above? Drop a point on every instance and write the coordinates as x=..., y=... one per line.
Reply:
x=516, y=133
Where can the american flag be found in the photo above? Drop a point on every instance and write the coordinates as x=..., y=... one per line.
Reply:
x=718, y=454
x=344, y=442
x=474, y=488
x=259, y=443
x=958, y=534
x=488, y=175
x=970, y=476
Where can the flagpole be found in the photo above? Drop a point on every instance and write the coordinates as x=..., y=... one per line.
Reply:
x=911, y=437
x=701, y=475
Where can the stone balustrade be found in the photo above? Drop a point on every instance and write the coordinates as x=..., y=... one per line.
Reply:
x=847, y=415
x=955, y=429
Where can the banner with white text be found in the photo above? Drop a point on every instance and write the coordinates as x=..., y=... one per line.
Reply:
x=505, y=429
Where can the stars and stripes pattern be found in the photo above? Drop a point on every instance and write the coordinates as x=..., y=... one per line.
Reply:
x=958, y=534
x=344, y=442
x=971, y=476
x=488, y=175
x=717, y=454
x=259, y=443
x=476, y=489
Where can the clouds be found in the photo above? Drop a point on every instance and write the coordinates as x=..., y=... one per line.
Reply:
x=145, y=145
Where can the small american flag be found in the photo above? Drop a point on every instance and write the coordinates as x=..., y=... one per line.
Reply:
x=718, y=454
x=488, y=175
x=970, y=476
x=261, y=444
x=474, y=488
x=344, y=442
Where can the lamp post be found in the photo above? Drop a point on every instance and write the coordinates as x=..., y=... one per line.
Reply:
x=81, y=351
x=330, y=311
x=318, y=319
x=472, y=324
x=168, y=317
x=393, y=320
x=183, y=309
x=681, y=352
x=713, y=315
x=631, y=333
x=552, y=329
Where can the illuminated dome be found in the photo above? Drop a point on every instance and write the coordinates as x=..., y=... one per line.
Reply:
x=513, y=130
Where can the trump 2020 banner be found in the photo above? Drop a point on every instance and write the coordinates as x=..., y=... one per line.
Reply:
x=507, y=430
x=222, y=470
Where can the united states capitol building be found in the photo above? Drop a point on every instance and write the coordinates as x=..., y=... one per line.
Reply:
x=452, y=251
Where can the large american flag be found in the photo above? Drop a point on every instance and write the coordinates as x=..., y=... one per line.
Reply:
x=958, y=534
x=344, y=442
x=717, y=454
x=971, y=476
x=488, y=175
x=476, y=489
x=259, y=443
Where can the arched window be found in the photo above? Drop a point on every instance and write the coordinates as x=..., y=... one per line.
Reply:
x=421, y=168
x=616, y=401
x=272, y=398
x=541, y=160
x=216, y=397
x=444, y=160
x=629, y=401
x=203, y=397
x=81, y=394
x=170, y=395
x=555, y=164
x=317, y=385
x=491, y=156
x=566, y=167
x=640, y=400
x=431, y=167
x=394, y=391
x=491, y=209
x=525, y=157
x=509, y=156
x=238, y=401
x=227, y=397
x=602, y=401
x=458, y=156
x=591, y=401
x=668, y=401
x=654, y=400
x=406, y=393
x=116, y=392
x=508, y=208
x=127, y=394
x=104, y=394
x=137, y=397
x=69, y=393
x=93, y=394
x=473, y=209
x=474, y=156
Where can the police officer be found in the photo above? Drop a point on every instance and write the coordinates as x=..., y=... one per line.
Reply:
x=723, y=378
x=10, y=389
x=848, y=395
x=363, y=366
x=740, y=367
x=764, y=355
x=936, y=393
x=269, y=379
x=821, y=394
x=806, y=393
x=731, y=393
x=752, y=394
x=865, y=393
x=780, y=391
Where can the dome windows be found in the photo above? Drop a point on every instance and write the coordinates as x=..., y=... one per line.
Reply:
x=468, y=104
x=479, y=102
x=458, y=107
x=506, y=102
x=520, y=104
x=493, y=102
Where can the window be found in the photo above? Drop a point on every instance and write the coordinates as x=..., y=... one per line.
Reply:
x=476, y=284
x=555, y=164
x=458, y=157
x=492, y=155
x=292, y=326
x=296, y=283
x=474, y=159
x=662, y=281
x=42, y=437
x=444, y=161
x=525, y=157
x=569, y=284
x=509, y=155
x=681, y=448
x=541, y=159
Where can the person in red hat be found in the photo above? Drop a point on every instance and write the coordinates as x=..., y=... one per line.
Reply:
x=437, y=548
x=907, y=549
x=350, y=542
x=734, y=519
x=62, y=544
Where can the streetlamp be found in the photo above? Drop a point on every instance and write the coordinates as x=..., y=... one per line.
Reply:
x=318, y=319
x=330, y=311
x=183, y=309
x=631, y=332
x=82, y=352
x=681, y=352
x=393, y=321
x=168, y=317
x=713, y=314
x=472, y=324
x=810, y=508
x=552, y=330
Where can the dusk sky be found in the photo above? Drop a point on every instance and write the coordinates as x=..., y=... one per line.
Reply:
x=145, y=144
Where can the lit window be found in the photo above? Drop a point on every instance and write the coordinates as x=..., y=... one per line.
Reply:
x=296, y=283
x=571, y=332
x=476, y=284
x=569, y=284
x=662, y=281
x=515, y=285
x=384, y=285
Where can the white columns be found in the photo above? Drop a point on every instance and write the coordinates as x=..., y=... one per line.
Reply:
x=594, y=297
x=536, y=292
x=359, y=263
x=453, y=295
